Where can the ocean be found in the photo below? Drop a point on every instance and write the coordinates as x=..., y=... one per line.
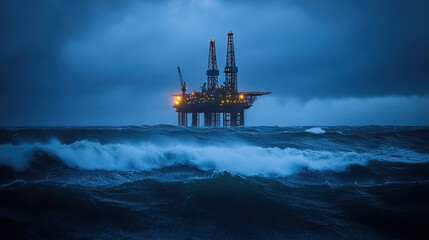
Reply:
x=168, y=182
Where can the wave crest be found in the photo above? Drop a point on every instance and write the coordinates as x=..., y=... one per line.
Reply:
x=242, y=159
x=316, y=130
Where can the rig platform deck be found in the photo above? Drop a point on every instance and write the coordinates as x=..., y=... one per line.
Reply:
x=216, y=102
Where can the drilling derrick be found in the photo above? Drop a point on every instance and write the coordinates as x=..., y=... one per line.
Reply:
x=230, y=68
x=212, y=72
x=216, y=103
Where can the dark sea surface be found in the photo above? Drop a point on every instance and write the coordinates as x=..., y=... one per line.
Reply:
x=167, y=182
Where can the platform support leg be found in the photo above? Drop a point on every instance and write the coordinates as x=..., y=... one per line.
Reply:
x=195, y=119
x=182, y=119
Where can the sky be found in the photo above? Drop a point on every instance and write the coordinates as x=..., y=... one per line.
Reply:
x=331, y=62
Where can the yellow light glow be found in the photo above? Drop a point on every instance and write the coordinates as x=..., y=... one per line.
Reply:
x=177, y=102
x=222, y=101
x=178, y=98
x=241, y=96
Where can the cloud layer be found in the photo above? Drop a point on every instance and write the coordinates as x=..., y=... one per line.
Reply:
x=110, y=62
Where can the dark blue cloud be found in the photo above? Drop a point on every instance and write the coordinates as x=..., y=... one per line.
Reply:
x=114, y=62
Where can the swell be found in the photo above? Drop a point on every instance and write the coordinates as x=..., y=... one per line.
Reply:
x=354, y=138
x=217, y=207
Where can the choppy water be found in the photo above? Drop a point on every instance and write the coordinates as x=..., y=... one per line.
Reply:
x=167, y=182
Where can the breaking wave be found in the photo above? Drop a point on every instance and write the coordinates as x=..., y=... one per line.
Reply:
x=316, y=130
x=242, y=159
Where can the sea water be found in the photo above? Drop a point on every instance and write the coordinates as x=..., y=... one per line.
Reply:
x=168, y=182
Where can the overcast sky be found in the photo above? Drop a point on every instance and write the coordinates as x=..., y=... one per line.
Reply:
x=114, y=62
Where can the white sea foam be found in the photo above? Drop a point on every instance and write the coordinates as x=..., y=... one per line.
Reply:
x=316, y=130
x=240, y=158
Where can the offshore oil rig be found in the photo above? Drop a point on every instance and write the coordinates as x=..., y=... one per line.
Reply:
x=216, y=101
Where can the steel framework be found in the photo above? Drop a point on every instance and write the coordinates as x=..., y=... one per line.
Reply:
x=212, y=71
x=216, y=103
x=231, y=69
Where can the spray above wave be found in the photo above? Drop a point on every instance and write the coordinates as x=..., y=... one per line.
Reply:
x=242, y=159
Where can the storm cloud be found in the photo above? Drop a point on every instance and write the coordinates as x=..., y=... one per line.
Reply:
x=114, y=62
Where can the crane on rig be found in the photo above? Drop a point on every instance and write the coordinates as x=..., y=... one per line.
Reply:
x=183, y=84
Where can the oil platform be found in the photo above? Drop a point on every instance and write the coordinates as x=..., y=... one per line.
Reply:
x=214, y=101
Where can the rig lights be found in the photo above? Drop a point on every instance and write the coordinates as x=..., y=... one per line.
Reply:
x=178, y=99
x=241, y=96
